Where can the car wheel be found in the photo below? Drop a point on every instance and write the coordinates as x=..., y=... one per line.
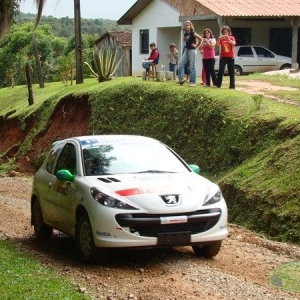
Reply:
x=85, y=240
x=286, y=66
x=209, y=250
x=238, y=71
x=41, y=229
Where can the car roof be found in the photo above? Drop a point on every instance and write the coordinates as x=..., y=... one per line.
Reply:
x=120, y=138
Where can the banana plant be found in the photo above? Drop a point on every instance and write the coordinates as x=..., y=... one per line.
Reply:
x=104, y=62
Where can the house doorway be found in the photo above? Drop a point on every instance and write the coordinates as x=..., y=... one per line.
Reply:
x=242, y=36
x=277, y=35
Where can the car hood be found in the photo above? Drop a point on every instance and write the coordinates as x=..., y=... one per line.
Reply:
x=151, y=191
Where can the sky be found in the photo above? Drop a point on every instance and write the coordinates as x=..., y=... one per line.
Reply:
x=90, y=9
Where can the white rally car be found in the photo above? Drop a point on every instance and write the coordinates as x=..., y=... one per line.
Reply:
x=126, y=191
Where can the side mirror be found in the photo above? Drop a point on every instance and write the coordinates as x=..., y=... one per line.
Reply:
x=195, y=169
x=65, y=175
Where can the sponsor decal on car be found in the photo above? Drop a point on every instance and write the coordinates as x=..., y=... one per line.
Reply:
x=102, y=233
x=65, y=188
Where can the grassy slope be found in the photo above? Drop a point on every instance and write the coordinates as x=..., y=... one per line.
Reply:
x=22, y=277
x=253, y=153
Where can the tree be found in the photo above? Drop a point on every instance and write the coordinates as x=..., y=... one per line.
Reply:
x=9, y=8
x=38, y=61
x=29, y=83
x=17, y=47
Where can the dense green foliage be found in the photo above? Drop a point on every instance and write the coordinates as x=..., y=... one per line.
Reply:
x=17, y=48
x=56, y=47
x=54, y=52
x=64, y=27
x=252, y=152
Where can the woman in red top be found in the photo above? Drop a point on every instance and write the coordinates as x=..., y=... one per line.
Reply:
x=226, y=42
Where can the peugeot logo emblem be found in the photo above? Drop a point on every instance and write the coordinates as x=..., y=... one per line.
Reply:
x=171, y=199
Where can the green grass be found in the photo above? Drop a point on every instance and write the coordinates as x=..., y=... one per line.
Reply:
x=22, y=277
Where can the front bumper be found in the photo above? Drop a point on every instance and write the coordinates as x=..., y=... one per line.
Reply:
x=138, y=230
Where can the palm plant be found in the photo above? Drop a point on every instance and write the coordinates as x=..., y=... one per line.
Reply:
x=104, y=62
x=10, y=8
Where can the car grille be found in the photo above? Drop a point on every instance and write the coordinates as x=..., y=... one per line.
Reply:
x=149, y=225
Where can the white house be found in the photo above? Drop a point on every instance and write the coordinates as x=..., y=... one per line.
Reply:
x=159, y=23
x=271, y=24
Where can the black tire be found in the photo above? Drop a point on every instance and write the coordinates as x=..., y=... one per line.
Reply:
x=238, y=71
x=209, y=250
x=85, y=241
x=41, y=229
x=286, y=66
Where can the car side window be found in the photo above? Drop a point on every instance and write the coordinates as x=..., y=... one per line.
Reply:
x=52, y=158
x=245, y=52
x=67, y=159
x=50, y=161
x=263, y=52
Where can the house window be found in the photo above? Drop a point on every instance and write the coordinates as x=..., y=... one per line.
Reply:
x=144, y=41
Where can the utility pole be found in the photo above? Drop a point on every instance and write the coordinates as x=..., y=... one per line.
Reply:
x=78, y=42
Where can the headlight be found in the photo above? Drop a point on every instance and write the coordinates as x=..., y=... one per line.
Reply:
x=109, y=201
x=213, y=199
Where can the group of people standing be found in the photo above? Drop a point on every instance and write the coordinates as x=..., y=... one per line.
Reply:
x=206, y=44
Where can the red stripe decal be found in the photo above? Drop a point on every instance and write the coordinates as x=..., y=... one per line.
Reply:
x=128, y=192
x=147, y=190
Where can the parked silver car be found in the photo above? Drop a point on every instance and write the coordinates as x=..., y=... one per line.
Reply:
x=251, y=59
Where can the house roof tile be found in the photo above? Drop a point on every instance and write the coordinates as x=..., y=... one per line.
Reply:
x=122, y=37
x=253, y=8
x=230, y=8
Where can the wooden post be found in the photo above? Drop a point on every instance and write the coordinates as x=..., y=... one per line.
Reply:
x=78, y=42
x=29, y=83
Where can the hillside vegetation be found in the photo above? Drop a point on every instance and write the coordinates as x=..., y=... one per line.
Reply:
x=54, y=41
x=64, y=27
x=252, y=151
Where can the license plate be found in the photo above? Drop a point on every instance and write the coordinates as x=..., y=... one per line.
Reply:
x=173, y=220
x=174, y=238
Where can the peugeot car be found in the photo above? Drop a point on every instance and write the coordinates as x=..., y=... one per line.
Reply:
x=126, y=191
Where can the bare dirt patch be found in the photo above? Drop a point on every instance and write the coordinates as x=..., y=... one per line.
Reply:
x=264, y=88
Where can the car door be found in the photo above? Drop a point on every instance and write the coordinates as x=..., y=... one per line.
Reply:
x=59, y=196
x=246, y=59
x=45, y=180
x=266, y=60
x=64, y=192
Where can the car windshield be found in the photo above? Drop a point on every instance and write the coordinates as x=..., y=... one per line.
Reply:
x=122, y=158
